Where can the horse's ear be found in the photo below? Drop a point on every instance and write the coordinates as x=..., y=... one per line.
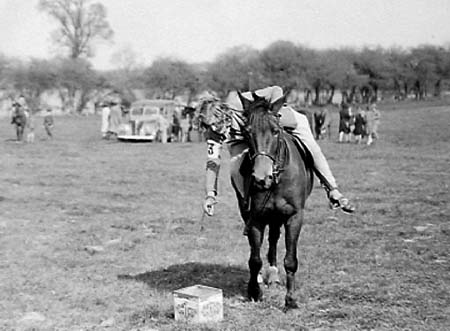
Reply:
x=245, y=102
x=257, y=97
x=277, y=104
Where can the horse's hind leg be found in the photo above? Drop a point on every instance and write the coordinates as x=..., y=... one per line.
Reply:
x=255, y=237
x=272, y=274
x=293, y=227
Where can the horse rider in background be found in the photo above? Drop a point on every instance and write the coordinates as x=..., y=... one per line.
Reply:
x=224, y=125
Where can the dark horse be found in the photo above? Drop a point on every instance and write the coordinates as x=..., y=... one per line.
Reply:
x=280, y=184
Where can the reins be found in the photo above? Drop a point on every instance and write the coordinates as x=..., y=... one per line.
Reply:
x=278, y=165
x=278, y=159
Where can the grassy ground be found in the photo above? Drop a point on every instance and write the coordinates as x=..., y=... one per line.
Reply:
x=95, y=235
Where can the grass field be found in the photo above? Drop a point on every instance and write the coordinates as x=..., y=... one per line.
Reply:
x=95, y=235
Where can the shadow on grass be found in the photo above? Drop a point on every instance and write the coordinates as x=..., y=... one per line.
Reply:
x=231, y=279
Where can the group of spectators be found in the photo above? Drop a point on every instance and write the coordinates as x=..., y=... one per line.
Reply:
x=23, y=120
x=116, y=121
x=112, y=118
x=358, y=122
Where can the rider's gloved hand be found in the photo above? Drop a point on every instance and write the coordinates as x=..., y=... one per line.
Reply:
x=208, y=204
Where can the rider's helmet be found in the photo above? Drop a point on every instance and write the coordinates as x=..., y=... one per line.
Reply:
x=213, y=113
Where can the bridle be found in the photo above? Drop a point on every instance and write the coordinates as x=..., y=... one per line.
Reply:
x=278, y=161
x=278, y=158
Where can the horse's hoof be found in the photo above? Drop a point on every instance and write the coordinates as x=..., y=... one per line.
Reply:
x=290, y=303
x=255, y=294
x=273, y=277
x=255, y=297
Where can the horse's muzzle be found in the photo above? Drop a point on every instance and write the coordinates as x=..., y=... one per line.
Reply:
x=263, y=183
x=263, y=171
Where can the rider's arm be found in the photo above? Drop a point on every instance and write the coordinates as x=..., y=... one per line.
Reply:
x=214, y=148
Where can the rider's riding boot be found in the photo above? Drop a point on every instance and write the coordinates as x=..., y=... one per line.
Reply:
x=337, y=200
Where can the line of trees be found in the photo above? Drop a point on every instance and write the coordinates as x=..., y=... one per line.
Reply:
x=359, y=74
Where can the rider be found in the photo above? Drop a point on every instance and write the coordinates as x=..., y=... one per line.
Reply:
x=224, y=123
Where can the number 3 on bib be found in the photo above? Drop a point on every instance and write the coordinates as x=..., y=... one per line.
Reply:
x=213, y=149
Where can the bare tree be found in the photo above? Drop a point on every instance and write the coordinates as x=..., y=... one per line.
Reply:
x=125, y=59
x=168, y=78
x=127, y=75
x=81, y=24
x=76, y=83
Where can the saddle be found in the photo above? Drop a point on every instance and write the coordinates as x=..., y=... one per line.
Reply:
x=303, y=150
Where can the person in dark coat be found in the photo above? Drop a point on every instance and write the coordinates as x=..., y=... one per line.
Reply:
x=360, y=125
x=345, y=122
x=19, y=119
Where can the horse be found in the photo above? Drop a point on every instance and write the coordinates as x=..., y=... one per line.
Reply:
x=19, y=119
x=322, y=123
x=279, y=182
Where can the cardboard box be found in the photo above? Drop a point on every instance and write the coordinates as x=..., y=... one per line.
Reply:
x=198, y=304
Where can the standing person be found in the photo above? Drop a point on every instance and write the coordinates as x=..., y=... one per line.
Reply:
x=373, y=121
x=23, y=103
x=30, y=128
x=345, y=121
x=225, y=124
x=115, y=117
x=185, y=126
x=163, y=126
x=360, y=125
x=322, y=123
x=19, y=119
x=105, y=120
x=49, y=123
x=176, y=130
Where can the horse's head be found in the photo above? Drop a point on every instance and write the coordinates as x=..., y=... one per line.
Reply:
x=263, y=136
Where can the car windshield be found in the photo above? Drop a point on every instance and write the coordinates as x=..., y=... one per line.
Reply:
x=137, y=111
x=151, y=111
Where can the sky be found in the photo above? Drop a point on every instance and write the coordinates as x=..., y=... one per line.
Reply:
x=199, y=30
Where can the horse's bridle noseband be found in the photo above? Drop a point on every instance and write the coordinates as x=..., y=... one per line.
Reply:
x=278, y=159
x=265, y=154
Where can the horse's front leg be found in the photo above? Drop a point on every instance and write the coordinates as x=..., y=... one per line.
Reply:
x=293, y=227
x=272, y=274
x=255, y=236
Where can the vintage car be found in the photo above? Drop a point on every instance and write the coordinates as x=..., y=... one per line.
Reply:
x=150, y=120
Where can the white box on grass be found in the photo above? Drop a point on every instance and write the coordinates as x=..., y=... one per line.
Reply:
x=198, y=304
